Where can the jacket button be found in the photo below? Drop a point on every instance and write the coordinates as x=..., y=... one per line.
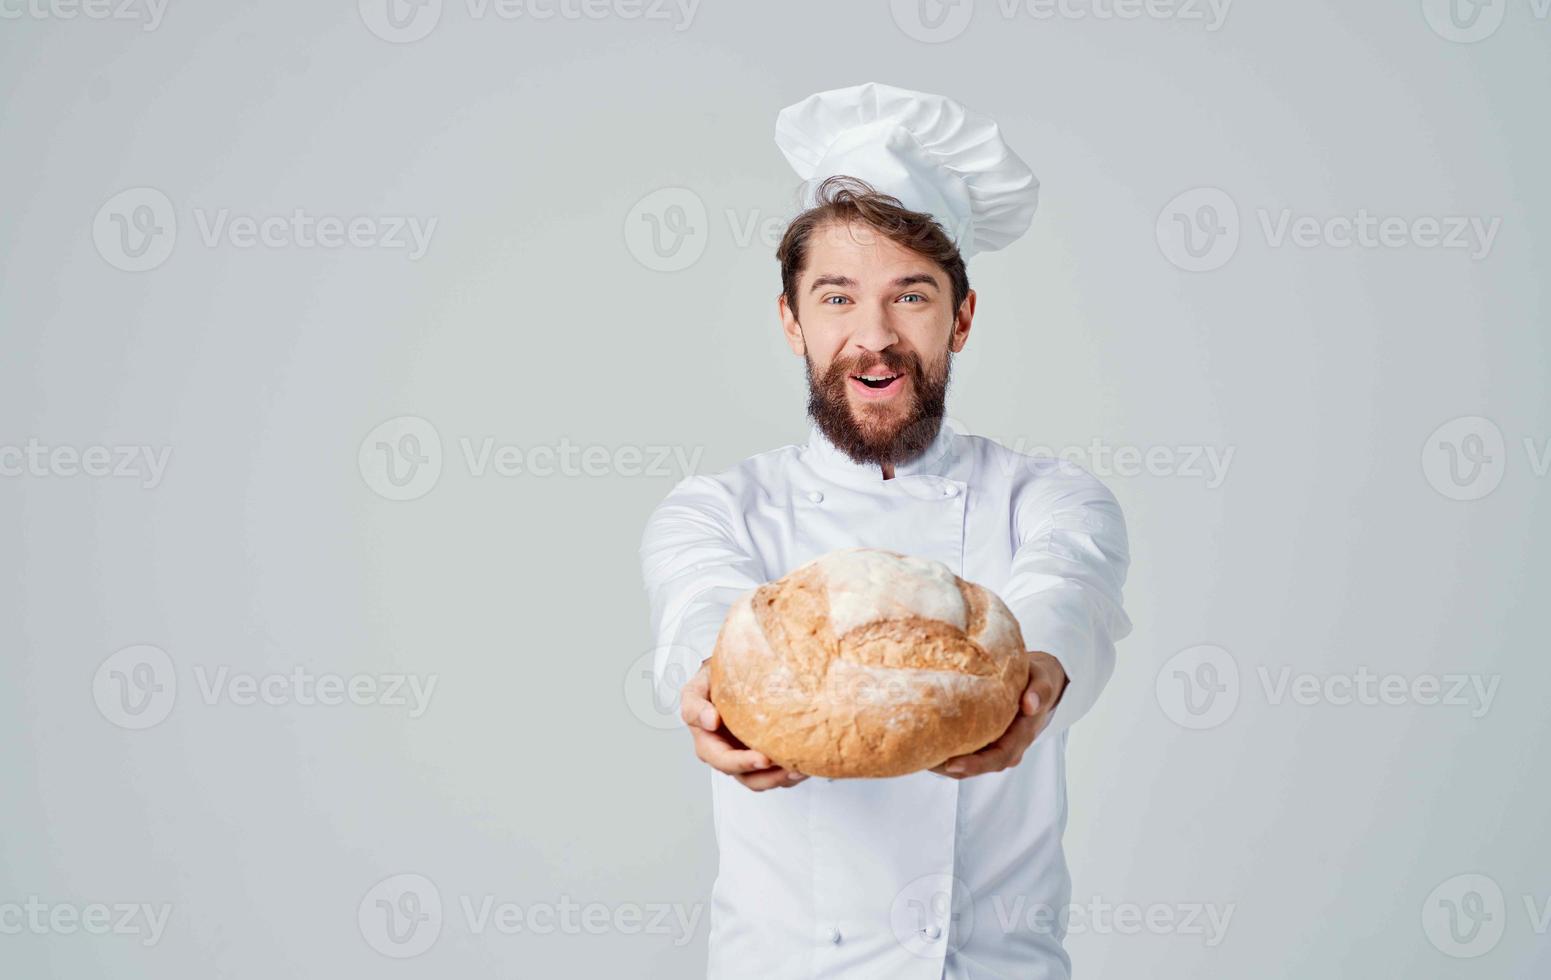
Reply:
x=834, y=934
x=815, y=496
x=933, y=931
x=950, y=491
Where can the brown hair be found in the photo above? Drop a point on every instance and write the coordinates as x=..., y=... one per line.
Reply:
x=842, y=199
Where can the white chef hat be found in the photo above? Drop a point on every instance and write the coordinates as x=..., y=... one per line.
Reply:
x=927, y=150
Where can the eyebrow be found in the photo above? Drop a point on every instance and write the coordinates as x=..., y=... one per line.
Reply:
x=846, y=282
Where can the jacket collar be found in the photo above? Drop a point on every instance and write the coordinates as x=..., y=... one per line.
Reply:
x=935, y=460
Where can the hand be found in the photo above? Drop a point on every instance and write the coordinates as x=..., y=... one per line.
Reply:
x=1047, y=682
x=719, y=748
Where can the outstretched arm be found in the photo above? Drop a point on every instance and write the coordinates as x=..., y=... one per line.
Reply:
x=1065, y=591
x=695, y=563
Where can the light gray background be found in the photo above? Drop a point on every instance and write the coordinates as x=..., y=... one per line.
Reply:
x=540, y=772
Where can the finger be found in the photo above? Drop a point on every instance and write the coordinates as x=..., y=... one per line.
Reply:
x=695, y=705
x=1038, y=692
x=999, y=754
x=719, y=753
x=697, y=711
x=976, y=764
x=700, y=714
x=774, y=777
x=987, y=759
x=1030, y=703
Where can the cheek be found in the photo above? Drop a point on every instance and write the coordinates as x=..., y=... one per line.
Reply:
x=823, y=350
x=928, y=339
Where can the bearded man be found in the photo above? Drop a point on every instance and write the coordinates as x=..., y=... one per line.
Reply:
x=956, y=872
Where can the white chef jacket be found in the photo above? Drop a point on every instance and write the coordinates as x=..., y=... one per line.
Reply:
x=918, y=876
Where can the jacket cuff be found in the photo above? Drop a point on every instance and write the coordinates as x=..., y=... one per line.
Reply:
x=690, y=644
x=1056, y=629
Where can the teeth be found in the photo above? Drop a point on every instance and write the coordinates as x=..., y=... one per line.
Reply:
x=877, y=377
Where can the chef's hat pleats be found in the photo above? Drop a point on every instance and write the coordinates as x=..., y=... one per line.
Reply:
x=927, y=150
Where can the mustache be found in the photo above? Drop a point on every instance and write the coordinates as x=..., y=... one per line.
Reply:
x=898, y=362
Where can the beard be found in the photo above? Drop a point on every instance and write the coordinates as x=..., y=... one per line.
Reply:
x=879, y=437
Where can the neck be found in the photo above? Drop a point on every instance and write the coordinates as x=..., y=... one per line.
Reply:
x=888, y=471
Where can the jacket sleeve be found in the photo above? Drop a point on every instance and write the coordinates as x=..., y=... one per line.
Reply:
x=1067, y=574
x=696, y=559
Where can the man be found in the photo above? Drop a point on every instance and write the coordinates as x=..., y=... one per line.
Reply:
x=957, y=872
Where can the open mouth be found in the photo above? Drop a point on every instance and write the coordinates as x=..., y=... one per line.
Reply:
x=877, y=382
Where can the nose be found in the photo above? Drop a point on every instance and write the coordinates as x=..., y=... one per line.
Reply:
x=876, y=334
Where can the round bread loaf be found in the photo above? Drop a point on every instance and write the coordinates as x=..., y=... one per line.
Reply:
x=866, y=662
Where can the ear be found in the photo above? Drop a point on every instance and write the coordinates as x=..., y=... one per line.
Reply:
x=962, y=322
x=791, y=328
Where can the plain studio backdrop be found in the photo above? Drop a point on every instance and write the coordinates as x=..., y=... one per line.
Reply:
x=347, y=348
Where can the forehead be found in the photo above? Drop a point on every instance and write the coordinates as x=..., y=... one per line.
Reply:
x=858, y=250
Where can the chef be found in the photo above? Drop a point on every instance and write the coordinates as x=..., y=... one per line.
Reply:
x=957, y=872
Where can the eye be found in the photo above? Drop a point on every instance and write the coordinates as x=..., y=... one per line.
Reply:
x=841, y=298
x=916, y=295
